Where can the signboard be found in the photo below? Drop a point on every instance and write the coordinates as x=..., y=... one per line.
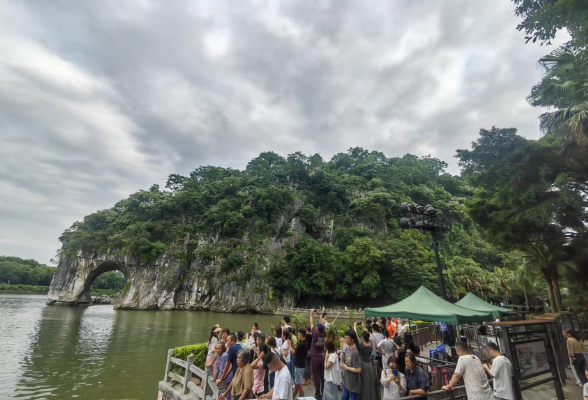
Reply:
x=532, y=358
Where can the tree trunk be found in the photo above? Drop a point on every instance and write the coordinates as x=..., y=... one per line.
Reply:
x=556, y=292
x=526, y=298
x=550, y=291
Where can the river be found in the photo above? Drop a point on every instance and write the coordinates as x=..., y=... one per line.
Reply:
x=96, y=352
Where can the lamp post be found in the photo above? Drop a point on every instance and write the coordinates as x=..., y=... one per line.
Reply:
x=427, y=221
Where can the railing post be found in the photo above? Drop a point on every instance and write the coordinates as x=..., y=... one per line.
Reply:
x=206, y=386
x=188, y=374
x=168, y=365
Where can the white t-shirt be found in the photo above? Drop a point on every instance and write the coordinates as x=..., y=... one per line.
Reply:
x=286, y=346
x=502, y=372
x=469, y=367
x=279, y=341
x=585, y=391
x=283, y=385
x=333, y=374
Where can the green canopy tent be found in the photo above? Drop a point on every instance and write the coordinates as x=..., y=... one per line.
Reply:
x=427, y=306
x=475, y=303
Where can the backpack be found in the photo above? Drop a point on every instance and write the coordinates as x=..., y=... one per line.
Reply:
x=279, y=354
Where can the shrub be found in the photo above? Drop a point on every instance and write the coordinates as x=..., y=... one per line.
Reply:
x=199, y=350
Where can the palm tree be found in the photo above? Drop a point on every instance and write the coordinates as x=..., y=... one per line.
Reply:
x=564, y=86
x=547, y=262
x=524, y=272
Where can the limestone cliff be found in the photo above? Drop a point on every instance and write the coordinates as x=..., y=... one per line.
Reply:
x=161, y=284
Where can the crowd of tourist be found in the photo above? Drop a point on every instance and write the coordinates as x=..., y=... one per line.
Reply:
x=247, y=366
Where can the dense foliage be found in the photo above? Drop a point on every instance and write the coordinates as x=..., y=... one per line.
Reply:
x=313, y=229
x=35, y=277
x=17, y=271
x=531, y=194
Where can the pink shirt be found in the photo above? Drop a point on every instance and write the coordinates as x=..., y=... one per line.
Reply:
x=258, y=376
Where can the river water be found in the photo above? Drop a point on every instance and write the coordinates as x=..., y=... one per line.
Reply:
x=54, y=352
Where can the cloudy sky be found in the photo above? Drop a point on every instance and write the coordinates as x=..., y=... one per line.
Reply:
x=101, y=98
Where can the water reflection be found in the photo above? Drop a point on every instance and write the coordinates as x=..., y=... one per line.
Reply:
x=95, y=352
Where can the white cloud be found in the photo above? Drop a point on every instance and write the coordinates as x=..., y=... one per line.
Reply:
x=99, y=99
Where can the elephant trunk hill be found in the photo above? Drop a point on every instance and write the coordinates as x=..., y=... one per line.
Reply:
x=285, y=231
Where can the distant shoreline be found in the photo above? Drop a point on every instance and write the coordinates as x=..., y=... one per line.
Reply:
x=44, y=290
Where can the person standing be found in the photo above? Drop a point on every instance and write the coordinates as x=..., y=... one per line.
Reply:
x=368, y=390
x=212, y=353
x=278, y=336
x=402, y=328
x=351, y=367
x=317, y=348
x=387, y=346
x=394, y=384
x=286, y=353
x=227, y=372
x=300, y=352
x=332, y=372
x=282, y=389
x=417, y=381
x=576, y=355
x=377, y=332
x=222, y=359
x=469, y=367
x=391, y=328
x=260, y=378
x=242, y=384
x=501, y=372
x=272, y=348
x=482, y=329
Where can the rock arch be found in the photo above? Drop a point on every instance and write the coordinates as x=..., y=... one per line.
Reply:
x=75, y=275
x=165, y=283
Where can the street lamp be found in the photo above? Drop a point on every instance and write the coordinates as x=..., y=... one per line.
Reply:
x=427, y=221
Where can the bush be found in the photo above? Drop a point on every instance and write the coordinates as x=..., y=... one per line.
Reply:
x=199, y=350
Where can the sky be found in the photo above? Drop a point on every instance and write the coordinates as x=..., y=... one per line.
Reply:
x=99, y=99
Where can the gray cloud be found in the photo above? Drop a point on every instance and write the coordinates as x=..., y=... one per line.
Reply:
x=99, y=99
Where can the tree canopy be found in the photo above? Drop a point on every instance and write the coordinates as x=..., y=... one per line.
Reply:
x=307, y=228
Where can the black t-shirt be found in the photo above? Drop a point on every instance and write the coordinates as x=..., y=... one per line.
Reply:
x=482, y=331
x=301, y=353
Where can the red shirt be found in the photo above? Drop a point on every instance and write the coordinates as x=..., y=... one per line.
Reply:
x=391, y=330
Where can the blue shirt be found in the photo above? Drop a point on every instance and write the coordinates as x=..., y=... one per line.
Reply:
x=443, y=326
x=233, y=351
x=416, y=380
x=220, y=367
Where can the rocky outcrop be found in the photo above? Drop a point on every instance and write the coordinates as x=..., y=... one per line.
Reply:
x=167, y=283
x=103, y=300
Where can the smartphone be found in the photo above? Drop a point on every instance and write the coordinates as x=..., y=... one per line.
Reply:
x=395, y=372
x=359, y=323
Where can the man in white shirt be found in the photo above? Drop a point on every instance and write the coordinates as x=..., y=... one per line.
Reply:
x=402, y=328
x=470, y=368
x=501, y=371
x=282, y=389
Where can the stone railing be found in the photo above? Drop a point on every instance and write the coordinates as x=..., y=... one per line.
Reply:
x=189, y=386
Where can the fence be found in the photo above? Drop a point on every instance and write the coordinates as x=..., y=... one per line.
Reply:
x=189, y=386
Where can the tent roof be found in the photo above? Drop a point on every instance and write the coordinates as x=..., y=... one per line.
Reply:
x=475, y=303
x=427, y=306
